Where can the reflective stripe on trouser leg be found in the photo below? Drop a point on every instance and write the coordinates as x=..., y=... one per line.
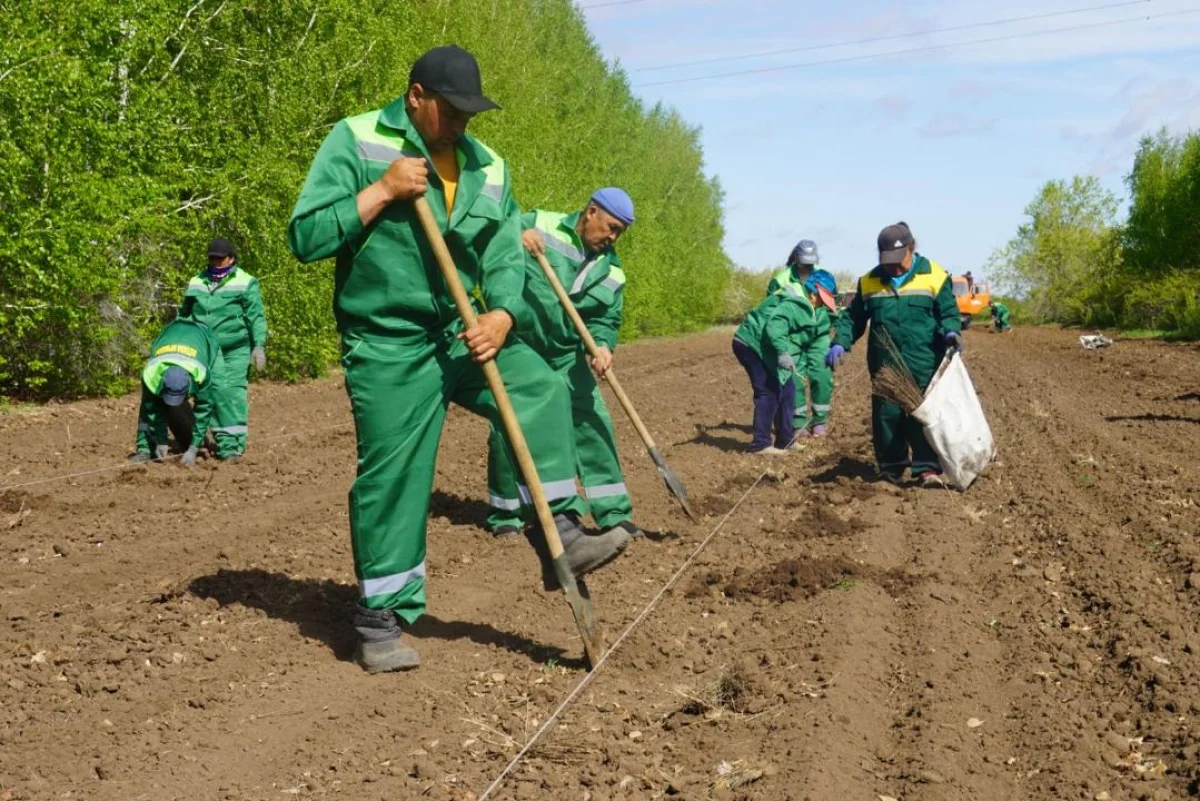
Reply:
x=229, y=425
x=889, y=436
x=820, y=380
x=596, y=458
x=539, y=398
x=503, y=499
x=397, y=449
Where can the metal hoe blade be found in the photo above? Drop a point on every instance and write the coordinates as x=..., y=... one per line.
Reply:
x=674, y=485
x=576, y=593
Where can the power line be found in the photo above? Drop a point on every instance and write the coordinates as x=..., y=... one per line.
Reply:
x=891, y=37
x=911, y=50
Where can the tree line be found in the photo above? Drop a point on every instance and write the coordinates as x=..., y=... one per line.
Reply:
x=130, y=137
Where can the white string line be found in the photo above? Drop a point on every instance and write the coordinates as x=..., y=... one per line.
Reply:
x=645, y=613
x=127, y=464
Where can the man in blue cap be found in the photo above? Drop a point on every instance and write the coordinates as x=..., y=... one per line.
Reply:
x=185, y=361
x=580, y=249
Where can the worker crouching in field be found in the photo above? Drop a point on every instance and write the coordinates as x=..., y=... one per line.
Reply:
x=1000, y=317
x=404, y=351
x=227, y=299
x=580, y=249
x=814, y=379
x=783, y=324
x=185, y=362
x=909, y=303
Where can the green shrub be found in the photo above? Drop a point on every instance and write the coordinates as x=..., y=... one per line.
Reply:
x=127, y=140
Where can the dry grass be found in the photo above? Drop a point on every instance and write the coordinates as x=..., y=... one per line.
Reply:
x=894, y=382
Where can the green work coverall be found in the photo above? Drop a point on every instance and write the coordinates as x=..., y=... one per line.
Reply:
x=596, y=285
x=917, y=315
x=192, y=346
x=814, y=381
x=403, y=363
x=1000, y=317
x=782, y=323
x=232, y=308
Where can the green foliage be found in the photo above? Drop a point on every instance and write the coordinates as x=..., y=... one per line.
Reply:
x=1063, y=253
x=745, y=290
x=127, y=140
x=1071, y=264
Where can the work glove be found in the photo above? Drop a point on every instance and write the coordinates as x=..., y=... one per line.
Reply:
x=260, y=359
x=954, y=341
x=189, y=457
x=161, y=452
x=786, y=362
x=139, y=457
x=834, y=356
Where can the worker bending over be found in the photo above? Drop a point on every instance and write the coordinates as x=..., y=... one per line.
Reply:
x=580, y=249
x=783, y=324
x=1000, y=317
x=185, y=362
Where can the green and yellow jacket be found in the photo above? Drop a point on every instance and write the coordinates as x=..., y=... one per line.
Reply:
x=917, y=315
x=191, y=345
x=232, y=308
x=782, y=323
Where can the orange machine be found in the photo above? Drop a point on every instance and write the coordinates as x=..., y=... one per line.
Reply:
x=972, y=296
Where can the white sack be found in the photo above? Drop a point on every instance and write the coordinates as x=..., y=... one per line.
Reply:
x=955, y=425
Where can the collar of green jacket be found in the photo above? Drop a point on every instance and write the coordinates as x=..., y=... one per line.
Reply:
x=920, y=266
x=470, y=153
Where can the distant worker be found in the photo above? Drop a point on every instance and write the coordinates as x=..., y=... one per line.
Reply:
x=185, y=362
x=814, y=380
x=910, y=299
x=405, y=352
x=783, y=324
x=1000, y=317
x=227, y=299
x=580, y=248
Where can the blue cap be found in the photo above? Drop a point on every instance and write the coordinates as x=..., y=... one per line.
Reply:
x=805, y=252
x=823, y=280
x=616, y=202
x=175, y=385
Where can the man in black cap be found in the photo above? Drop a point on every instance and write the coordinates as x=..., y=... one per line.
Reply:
x=228, y=300
x=405, y=353
x=185, y=361
x=910, y=300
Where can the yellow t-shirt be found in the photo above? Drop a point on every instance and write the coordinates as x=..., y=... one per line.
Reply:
x=446, y=164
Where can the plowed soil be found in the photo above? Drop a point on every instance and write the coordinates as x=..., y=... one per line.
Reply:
x=173, y=634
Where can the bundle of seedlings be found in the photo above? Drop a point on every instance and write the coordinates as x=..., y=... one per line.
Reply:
x=894, y=382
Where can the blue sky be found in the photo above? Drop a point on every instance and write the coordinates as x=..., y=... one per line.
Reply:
x=955, y=141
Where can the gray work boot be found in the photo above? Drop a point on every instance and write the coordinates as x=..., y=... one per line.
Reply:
x=380, y=648
x=585, y=552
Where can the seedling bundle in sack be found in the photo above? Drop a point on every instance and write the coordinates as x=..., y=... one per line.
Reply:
x=949, y=412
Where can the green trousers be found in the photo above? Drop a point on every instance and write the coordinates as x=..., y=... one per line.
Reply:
x=400, y=388
x=596, y=461
x=813, y=381
x=232, y=408
x=895, y=436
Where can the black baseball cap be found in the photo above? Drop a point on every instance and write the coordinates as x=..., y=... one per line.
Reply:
x=893, y=242
x=221, y=248
x=454, y=74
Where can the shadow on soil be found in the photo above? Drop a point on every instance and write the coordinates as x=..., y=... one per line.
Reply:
x=322, y=609
x=704, y=436
x=459, y=509
x=846, y=467
x=1151, y=418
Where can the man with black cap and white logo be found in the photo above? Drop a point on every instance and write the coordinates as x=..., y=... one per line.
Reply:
x=227, y=299
x=404, y=351
x=185, y=362
x=910, y=299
